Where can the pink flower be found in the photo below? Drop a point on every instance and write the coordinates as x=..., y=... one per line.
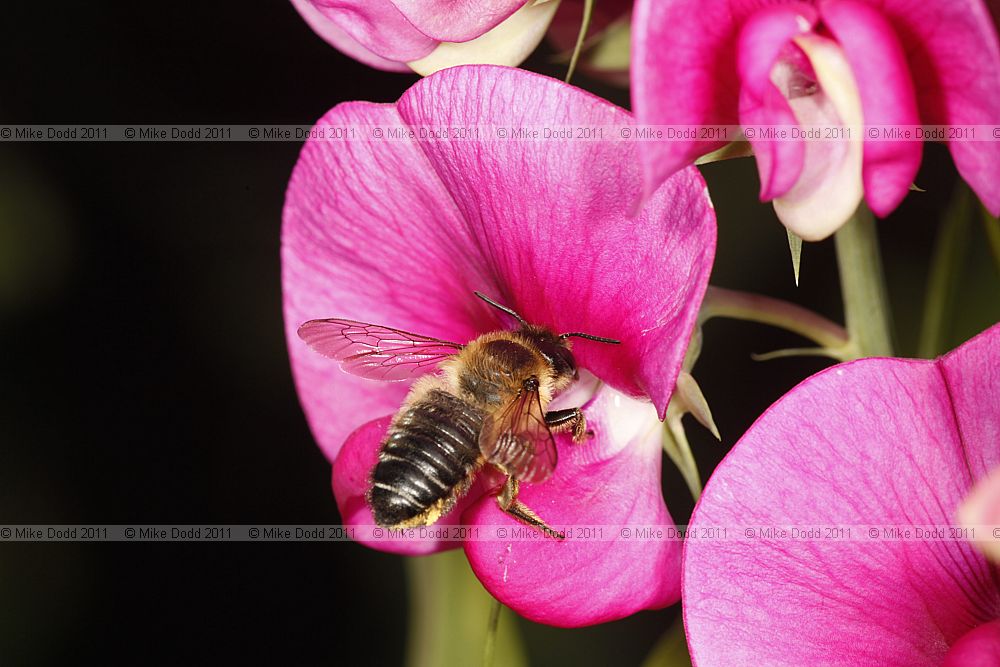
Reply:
x=836, y=62
x=402, y=232
x=428, y=35
x=875, y=442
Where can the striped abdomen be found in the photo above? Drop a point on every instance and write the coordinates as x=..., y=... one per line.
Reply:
x=427, y=460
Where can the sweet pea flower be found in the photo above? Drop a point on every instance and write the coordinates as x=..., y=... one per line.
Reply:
x=401, y=232
x=425, y=36
x=875, y=442
x=827, y=62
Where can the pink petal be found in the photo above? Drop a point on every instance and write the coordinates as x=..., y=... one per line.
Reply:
x=763, y=39
x=684, y=73
x=829, y=187
x=870, y=442
x=972, y=373
x=954, y=58
x=509, y=43
x=978, y=648
x=377, y=25
x=612, y=480
x=351, y=479
x=977, y=409
x=371, y=234
x=779, y=163
x=764, y=36
x=879, y=65
x=551, y=223
x=343, y=42
x=456, y=20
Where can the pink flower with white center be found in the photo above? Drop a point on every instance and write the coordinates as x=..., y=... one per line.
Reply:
x=829, y=62
x=402, y=232
x=883, y=443
x=425, y=36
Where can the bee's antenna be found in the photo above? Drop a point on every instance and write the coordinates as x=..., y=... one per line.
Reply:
x=599, y=339
x=505, y=309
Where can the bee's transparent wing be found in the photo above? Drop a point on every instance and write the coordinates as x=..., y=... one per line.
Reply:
x=376, y=352
x=517, y=440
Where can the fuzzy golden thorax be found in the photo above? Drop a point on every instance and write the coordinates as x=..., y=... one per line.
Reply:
x=492, y=369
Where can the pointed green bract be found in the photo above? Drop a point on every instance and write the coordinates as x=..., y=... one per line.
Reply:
x=795, y=246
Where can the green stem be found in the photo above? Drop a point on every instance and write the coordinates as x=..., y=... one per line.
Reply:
x=830, y=336
x=588, y=11
x=862, y=283
x=491, y=633
x=671, y=650
x=992, y=226
x=945, y=272
x=451, y=615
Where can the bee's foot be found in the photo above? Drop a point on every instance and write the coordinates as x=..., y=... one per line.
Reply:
x=508, y=502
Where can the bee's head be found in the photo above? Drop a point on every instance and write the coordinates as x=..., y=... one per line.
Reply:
x=556, y=351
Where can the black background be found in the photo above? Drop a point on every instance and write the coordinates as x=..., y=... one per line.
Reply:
x=143, y=372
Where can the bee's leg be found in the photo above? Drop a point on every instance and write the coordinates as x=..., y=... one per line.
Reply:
x=507, y=499
x=570, y=418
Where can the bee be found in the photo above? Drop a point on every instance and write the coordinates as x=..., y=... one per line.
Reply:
x=486, y=406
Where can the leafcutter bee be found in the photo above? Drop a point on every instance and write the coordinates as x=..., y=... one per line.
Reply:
x=486, y=405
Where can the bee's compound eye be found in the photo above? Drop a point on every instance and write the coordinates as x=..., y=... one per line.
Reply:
x=560, y=357
x=570, y=361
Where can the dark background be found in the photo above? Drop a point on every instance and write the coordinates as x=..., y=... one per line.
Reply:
x=143, y=372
